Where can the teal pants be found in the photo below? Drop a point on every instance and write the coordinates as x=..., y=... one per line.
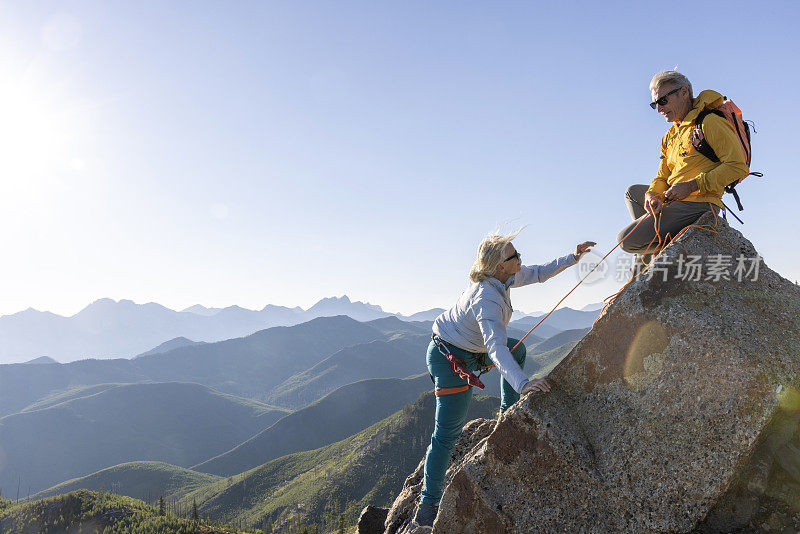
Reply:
x=451, y=412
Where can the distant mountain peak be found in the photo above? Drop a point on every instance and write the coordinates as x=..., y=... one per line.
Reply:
x=41, y=360
x=344, y=299
x=167, y=346
x=360, y=311
x=199, y=309
x=272, y=307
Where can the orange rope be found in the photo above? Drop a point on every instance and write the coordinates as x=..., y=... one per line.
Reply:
x=576, y=285
x=661, y=241
x=657, y=227
x=608, y=300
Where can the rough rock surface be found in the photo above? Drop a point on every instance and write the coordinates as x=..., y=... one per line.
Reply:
x=666, y=417
x=371, y=520
x=399, y=517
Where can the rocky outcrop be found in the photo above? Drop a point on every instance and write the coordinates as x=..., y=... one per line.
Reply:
x=667, y=417
x=401, y=512
x=371, y=520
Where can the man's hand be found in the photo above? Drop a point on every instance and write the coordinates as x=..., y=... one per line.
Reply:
x=681, y=190
x=539, y=384
x=583, y=247
x=653, y=204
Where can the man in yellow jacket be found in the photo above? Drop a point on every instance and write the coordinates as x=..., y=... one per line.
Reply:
x=690, y=182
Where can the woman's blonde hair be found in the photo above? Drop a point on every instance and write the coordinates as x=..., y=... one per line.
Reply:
x=490, y=255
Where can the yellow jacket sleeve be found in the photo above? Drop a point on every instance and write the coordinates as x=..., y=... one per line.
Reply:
x=659, y=183
x=732, y=165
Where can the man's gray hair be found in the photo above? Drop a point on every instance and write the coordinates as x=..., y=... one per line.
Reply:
x=672, y=77
x=490, y=255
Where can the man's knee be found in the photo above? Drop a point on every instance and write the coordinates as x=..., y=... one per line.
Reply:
x=625, y=241
x=636, y=193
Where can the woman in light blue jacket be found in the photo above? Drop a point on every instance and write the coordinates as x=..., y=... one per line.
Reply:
x=464, y=336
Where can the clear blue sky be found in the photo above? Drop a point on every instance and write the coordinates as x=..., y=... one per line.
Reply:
x=280, y=152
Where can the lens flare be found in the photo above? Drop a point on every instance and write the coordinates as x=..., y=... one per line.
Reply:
x=789, y=399
x=640, y=364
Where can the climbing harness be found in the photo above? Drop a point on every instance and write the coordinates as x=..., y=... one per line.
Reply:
x=459, y=367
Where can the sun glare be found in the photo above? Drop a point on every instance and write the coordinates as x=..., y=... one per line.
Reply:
x=39, y=132
x=29, y=133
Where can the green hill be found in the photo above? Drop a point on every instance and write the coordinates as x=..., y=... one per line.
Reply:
x=86, y=511
x=140, y=480
x=57, y=397
x=178, y=423
x=367, y=468
x=393, y=324
x=567, y=336
x=402, y=355
x=5, y=503
x=246, y=367
x=22, y=385
x=546, y=361
x=251, y=365
x=336, y=416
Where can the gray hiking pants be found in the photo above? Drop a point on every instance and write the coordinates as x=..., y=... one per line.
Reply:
x=674, y=217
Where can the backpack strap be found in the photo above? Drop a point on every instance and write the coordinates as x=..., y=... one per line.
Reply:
x=732, y=190
x=698, y=137
x=700, y=144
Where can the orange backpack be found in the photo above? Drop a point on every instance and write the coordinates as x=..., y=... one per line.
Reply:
x=730, y=112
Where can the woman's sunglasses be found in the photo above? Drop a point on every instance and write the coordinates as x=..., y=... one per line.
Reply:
x=516, y=255
x=663, y=100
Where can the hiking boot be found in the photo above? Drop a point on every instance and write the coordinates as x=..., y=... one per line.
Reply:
x=426, y=513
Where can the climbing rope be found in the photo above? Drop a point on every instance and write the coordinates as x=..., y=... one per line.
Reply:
x=658, y=246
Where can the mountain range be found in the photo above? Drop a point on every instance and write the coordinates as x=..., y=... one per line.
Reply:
x=312, y=486
x=181, y=424
x=367, y=467
x=122, y=329
x=247, y=367
x=213, y=421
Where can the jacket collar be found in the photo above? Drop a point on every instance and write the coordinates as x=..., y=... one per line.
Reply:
x=502, y=288
x=707, y=99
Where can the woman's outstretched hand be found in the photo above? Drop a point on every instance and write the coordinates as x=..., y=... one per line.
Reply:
x=583, y=247
x=538, y=384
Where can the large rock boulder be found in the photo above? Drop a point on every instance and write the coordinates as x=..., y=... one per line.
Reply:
x=666, y=417
x=401, y=512
x=371, y=520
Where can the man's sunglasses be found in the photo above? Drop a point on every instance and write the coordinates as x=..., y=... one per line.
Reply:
x=663, y=100
x=514, y=255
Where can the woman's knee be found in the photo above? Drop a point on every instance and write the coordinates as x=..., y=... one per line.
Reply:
x=445, y=442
